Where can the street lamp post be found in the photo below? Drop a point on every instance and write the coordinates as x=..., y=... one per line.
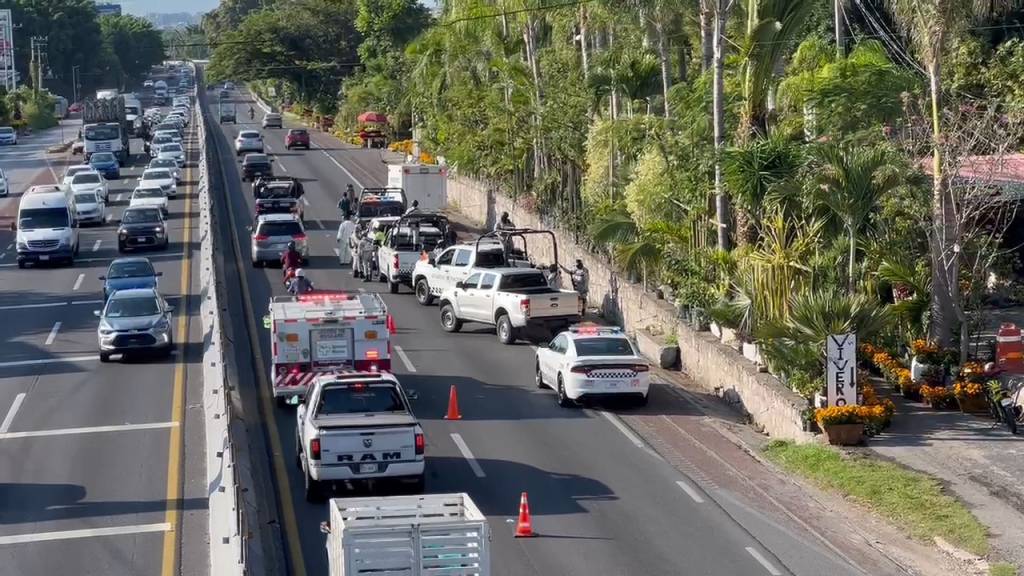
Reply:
x=74, y=82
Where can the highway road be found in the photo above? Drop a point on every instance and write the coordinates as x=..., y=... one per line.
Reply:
x=101, y=470
x=603, y=501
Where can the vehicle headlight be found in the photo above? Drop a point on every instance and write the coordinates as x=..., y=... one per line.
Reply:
x=65, y=241
x=159, y=231
x=161, y=325
x=105, y=329
x=22, y=246
x=122, y=234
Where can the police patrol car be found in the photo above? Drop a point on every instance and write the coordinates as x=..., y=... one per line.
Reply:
x=590, y=361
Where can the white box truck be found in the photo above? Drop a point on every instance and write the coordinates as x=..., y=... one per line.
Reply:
x=425, y=183
x=432, y=534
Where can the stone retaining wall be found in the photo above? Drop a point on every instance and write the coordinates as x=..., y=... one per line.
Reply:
x=713, y=366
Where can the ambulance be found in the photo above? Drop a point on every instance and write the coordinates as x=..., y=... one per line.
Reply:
x=323, y=332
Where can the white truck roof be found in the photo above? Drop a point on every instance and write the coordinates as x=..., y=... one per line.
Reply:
x=432, y=534
x=327, y=305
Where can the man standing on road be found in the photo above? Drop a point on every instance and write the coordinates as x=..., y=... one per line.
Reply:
x=580, y=278
x=345, y=205
x=367, y=248
x=344, y=238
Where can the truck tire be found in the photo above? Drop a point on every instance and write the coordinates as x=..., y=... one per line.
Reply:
x=423, y=295
x=506, y=332
x=298, y=452
x=313, y=490
x=563, y=400
x=449, y=321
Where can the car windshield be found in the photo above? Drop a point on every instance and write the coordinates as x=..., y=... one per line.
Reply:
x=380, y=209
x=101, y=132
x=359, y=400
x=156, y=175
x=297, y=132
x=77, y=170
x=519, y=281
x=149, y=193
x=163, y=163
x=141, y=216
x=604, y=347
x=277, y=191
x=132, y=307
x=86, y=178
x=132, y=269
x=102, y=158
x=256, y=159
x=249, y=135
x=171, y=148
x=162, y=139
x=280, y=229
x=37, y=218
x=6, y=130
x=86, y=198
x=490, y=259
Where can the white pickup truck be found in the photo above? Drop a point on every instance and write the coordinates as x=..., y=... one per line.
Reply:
x=516, y=301
x=358, y=426
x=439, y=272
x=404, y=243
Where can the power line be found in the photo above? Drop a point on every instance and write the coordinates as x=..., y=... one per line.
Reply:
x=514, y=12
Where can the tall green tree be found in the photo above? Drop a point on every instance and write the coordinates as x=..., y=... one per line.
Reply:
x=137, y=45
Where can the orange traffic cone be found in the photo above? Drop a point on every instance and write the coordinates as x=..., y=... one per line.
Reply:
x=392, y=329
x=524, y=528
x=453, y=406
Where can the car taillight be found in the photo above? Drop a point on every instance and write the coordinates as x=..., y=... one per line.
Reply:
x=260, y=237
x=641, y=368
x=421, y=444
x=395, y=262
x=299, y=237
x=580, y=370
x=524, y=306
x=314, y=449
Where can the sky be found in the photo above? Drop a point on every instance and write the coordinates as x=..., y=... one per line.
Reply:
x=143, y=7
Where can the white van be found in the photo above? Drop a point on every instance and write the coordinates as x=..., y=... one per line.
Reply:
x=47, y=226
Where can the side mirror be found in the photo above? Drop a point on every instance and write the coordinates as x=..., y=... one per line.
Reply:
x=170, y=309
x=103, y=278
x=431, y=259
x=249, y=228
x=412, y=394
x=158, y=274
x=325, y=527
x=460, y=285
x=544, y=345
x=97, y=313
x=14, y=226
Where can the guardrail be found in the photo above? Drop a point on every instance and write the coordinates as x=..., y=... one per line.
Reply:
x=227, y=516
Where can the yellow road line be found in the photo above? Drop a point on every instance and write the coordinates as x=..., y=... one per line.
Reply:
x=284, y=491
x=173, y=513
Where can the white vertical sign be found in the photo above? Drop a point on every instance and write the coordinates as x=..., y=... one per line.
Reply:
x=841, y=369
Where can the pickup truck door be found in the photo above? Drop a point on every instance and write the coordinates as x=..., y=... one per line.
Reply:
x=459, y=269
x=438, y=276
x=470, y=299
x=483, y=297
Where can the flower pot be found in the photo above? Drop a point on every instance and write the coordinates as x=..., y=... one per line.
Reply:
x=752, y=352
x=844, y=434
x=919, y=370
x=716, y=330
x=729, y=337
x=655, y=348
x=973, y=405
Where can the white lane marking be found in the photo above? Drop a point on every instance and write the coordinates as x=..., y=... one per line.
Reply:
x=622, y=428
x=54, y=360
x=304, y=201
x=405, y=359
x=78, y=282
x=764, y=562
x=281, y=166
x=319, y=224
x=53, y=333
x=101, y=301
x=337, y=252
x=3, y=255
x=85, y=533
x=85, y=260
x=9, y=246
x=690, y=491
x=24, y=306
x=461, y=444
x=89, y=430
x=343, y=169
x=96, y=246
x=10, y=413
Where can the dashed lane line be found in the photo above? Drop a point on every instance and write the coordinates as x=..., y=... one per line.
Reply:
x=88, y=430
x=629, y=434
x=78, y=282
x=84, y=533
x=468, y=455
x=764, y=562
x=53, y=360
x=405, y=359
x=690, y=491
x=96, y=246
x=9, y=419
x=53, y=333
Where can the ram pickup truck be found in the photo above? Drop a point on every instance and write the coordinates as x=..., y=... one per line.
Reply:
x=517, y=301
x=358, y=426
x=440, y=271
x=278, y=195
x=405, y=242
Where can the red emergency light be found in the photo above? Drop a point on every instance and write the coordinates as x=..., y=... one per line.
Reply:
x=326, y=296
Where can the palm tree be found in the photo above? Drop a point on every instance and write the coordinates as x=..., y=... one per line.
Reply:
x=757, y=173
x=851, y=182
x=930, y=24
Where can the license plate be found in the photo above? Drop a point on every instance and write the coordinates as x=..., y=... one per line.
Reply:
x=44, y=257
x=367, y=468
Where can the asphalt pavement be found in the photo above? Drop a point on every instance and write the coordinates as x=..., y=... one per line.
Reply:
x=101, y=465
x=603, y=501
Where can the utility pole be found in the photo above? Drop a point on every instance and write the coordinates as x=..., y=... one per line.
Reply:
x=837, y=13
x=74, y=82
x=38, y=45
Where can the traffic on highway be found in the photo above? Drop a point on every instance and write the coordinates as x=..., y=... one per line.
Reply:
x=407, y=364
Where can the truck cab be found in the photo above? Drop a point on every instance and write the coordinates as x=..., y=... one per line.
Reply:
x=358, y=427
x=435, y=272
x=411, y=236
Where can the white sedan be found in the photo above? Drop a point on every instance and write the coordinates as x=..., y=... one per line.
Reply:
x=72, y=170
x=590, y=361
x=167, y=164
x=149, y=196
x=89, y=181
x=90, y=208
x=248, y=141
x=174, y=135
x=161, y=177
x=173, y=151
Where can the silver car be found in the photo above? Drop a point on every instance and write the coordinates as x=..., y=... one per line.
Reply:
x=134, y=320
x=90, y=207
x=271, y=235
x=248, y=141
x=167, y=163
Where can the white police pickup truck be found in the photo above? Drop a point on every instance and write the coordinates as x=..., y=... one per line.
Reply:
x=355, y=427
x=516, y=301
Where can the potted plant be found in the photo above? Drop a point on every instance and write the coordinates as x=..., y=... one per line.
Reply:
x=727, y=318
x=843, y=425
x=926, y=358
x=938, y=397
x=656, y=345
x=970, y=396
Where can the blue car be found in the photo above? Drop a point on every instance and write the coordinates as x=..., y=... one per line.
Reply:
x=106, y=164
x=129, y=273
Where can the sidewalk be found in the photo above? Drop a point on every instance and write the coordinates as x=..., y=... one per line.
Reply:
x=978, y=459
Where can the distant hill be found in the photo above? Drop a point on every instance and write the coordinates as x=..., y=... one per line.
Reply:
x=174, y=19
